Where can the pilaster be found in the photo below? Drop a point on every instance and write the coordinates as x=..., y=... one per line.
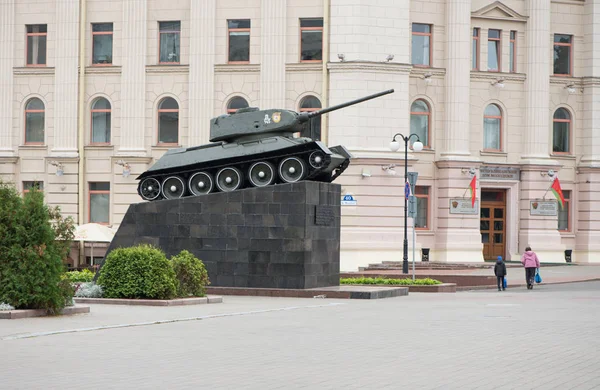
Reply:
x=7, y=32
x=458, y=78
x=273, y=51
x=202, y=61
x=537, y=84
x=66, y=79
x=133, y=79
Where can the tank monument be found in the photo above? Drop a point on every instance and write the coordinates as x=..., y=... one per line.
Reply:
x=256, y=204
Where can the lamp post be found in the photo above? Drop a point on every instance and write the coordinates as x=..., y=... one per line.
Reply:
x=417, y=147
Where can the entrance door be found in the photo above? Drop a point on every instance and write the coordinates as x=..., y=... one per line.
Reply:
x=492, y=223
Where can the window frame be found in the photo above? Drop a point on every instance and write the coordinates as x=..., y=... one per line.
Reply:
x=97, y=192
x=25, y=111
x=27, y=35
x=234, y=110
x=428, y=114
x=94, y=33
x=570, y=45
x=430, y=35
x=301, y=109
x=476, y=40
x=159, y=111
x=92, y=111
x=310, y=29
x=428, y=197
x=500, y=127
x=569, y=129
x=26, y=188
x=229, y=31
x=567, y=195
x=512, y=48
x=178, y=32
x=498, y=50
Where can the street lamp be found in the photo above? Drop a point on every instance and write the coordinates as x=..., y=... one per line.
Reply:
x=417, y=147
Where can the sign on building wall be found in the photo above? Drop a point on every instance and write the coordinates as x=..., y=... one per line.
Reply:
x=543, y=207
x=463, y=206
x=498, y=173
x=348, y=200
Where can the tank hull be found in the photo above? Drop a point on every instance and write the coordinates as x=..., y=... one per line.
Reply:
x=228, y=167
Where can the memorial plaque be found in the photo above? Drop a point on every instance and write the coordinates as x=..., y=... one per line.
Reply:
x=543, y=207
x=499, y=173
x=324, y=215
x=463, y=206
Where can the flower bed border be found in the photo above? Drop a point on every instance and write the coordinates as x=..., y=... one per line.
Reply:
x=152, y=302
x=433, y=288
x=17, y=314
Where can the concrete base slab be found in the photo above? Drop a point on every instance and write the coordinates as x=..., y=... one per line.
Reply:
x=340, y=292
x=16, y=314
x=152, y=302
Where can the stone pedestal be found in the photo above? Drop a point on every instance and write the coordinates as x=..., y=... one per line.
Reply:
x=282, y=236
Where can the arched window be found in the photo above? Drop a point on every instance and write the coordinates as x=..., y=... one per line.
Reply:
x=34, y=122
x=101, y=121
x=235, y=104
x=313, y=129
x=420, y=115
x=492, y=128
x=561, y=131
x=168, y=121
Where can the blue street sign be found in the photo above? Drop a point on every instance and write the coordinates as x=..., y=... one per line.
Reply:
x=348, y=200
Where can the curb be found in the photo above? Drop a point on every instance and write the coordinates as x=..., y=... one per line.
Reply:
x=493, y=287
x=17, y=314
x=152, y=302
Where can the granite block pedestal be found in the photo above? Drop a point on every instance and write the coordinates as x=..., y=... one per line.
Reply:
x=282, y=236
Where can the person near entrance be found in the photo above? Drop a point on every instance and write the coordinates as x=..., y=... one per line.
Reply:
x=531, y=262
x=500, y=271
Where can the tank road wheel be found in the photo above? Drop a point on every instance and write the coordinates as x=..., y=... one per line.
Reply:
x=292, y=169
x=200, y=183
x=229, y=179
x=150, y=188
x=173, y=188
x=261, y=174
x=317, y=159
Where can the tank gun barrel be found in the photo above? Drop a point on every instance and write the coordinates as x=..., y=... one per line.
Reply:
x=307, y=115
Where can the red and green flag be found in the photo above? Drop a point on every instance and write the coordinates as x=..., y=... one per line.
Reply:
x=473, y=188
x=557, y=191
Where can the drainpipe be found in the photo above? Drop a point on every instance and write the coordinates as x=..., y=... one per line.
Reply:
x=81, y=124
x=325, y=76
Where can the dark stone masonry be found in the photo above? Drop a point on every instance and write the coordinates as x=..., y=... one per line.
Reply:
x=281, y=236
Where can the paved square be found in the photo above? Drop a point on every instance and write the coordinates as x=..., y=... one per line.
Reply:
x=541, y=339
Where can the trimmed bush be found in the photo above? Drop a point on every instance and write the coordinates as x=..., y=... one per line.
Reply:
x=80, y=276
x=192, y=277
x=139, y=272
x=34, y=241
x=395, y=282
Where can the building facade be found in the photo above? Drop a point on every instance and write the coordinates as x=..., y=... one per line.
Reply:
x=94, y=91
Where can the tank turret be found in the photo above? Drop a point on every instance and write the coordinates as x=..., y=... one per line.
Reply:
x=250, y=147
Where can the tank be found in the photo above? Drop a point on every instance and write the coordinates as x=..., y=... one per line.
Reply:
x=249, y=148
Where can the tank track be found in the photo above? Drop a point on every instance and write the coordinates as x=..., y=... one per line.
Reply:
x=276, y=168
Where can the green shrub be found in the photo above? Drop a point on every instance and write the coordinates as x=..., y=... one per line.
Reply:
x=139, y=272
x=192, y=277
x=34, y=241
x=80, y=276
x=400, y=282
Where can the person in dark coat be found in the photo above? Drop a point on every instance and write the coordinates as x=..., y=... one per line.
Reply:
x=500, y=271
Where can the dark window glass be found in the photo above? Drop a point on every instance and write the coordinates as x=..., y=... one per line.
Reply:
x=313, y=129
x=36, y=44
x=239, y=40
x=562, y=54
x=419, y=121
x=102, y=43
x=421, y=44
x=311, y=39
x=169, y=41
x=168, y=121
x=34, y=121
x=101, y=119
x=561, y=131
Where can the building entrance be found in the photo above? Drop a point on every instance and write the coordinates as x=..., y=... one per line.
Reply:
x=492, y=223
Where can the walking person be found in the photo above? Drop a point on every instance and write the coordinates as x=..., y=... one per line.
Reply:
x=500, y=271
x=531, y=262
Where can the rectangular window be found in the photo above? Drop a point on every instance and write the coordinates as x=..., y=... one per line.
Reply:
x=513, y=51
x=422, y=220
x=99, y=202
x=169, y=35
x=28, y=185
x=564, y=214
x=102, y=43
x=475, y=50
x=36, y=44
x=421, y=44
x=239, y=40
x=494, y=50
x=562, y=54
x=311, y=40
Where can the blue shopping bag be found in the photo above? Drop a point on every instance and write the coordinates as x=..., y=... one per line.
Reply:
x=538, y=278
x=504, y=284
